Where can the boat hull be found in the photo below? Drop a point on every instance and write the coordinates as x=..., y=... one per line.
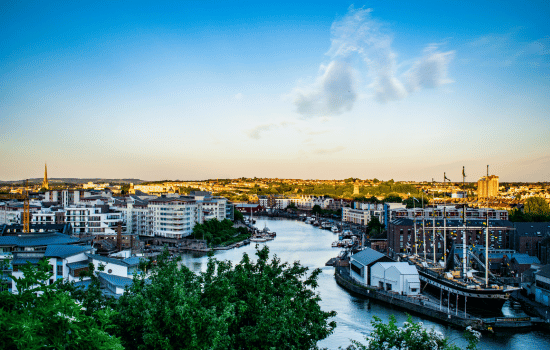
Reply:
x=482, y=299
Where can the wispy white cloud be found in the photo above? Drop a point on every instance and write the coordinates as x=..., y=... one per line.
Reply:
x=332, y=93
x=255, y=133
x=239, y=96
x=505, y=50
x=360, y=45
x=430, y=71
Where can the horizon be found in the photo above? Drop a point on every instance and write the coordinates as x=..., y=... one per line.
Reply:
x=311, y=90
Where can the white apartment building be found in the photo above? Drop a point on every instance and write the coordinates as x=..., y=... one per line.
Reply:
x=212, y=208
x=363, y=216
x=138, y=215
x=11, y=213
x=306, y=202
x=48, y=216
x=87, y=220
x=173, y=217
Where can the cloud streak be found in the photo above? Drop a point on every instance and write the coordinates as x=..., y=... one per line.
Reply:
x=361, y=46
x=255, y=133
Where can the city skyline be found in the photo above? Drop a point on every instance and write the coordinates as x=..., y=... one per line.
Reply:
x=326, y=90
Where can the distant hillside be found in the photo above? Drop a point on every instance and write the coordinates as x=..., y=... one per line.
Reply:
x=70, y=180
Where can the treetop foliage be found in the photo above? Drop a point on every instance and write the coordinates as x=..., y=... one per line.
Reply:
x=252, y=305
x=42, y=316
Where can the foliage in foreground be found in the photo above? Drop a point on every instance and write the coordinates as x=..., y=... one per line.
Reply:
x=253, y=305
x=411, y=336
x=43, y=316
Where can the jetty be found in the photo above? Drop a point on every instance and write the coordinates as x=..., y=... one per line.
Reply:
x=422, y=305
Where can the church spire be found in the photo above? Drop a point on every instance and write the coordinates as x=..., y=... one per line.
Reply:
x=45, y=182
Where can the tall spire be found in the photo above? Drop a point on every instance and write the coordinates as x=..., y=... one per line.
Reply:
x=45, y=182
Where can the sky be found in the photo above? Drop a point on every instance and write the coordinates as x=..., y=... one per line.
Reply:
x=194, y=90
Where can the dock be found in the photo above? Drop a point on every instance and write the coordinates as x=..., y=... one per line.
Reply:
x=423, y=306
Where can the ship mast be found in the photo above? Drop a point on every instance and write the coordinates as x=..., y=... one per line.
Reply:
x=464, y=273
x=433, y=226
x=487, y=238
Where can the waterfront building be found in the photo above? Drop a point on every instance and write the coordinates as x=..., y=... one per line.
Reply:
x=173, y=217
x=138, y=215
x=448, y=211
x=398, y=277
x=528, y=238
x=248, y=208
x=362, y=213
x=542, y=286
x=403, y=239
x=360, y=265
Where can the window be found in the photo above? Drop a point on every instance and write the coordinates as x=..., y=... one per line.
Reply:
x=60, y=270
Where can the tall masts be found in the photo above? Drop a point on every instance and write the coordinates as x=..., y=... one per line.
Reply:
x=464, y=267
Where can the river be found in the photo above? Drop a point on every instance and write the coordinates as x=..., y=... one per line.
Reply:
x=312, y=247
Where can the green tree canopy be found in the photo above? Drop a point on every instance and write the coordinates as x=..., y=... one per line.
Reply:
x=238, y=215
x=44, y=316
x=374, y=226
x=254, y=305
x=536, y=206
x=411, y=336
x=316, y=209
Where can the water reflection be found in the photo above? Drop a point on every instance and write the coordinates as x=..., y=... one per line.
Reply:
x=312, y=247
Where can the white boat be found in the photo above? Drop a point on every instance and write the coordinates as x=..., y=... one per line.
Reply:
x=258, y=239
x=335, y=229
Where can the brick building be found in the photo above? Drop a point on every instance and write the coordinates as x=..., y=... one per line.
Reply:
x=403, y=239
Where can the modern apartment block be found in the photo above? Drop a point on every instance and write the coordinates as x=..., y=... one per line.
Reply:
x=173, y=217
x=305, y=202
x=487, y=187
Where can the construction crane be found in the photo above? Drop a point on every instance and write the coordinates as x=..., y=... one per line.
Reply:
x=26, y=210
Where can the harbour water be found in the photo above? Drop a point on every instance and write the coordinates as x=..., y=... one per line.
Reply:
x=312, y=247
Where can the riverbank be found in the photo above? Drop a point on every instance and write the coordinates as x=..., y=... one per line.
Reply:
x=423, y=306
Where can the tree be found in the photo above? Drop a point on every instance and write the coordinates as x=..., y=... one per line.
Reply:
x=275, y=305
x=374, y=226
x=253, y=305
x=166, y=312
x=316, y=209
x=536, y=206
x=292, y=206
x=43, y=316
x=393, y=198
x=411, y=336
x=238, y=215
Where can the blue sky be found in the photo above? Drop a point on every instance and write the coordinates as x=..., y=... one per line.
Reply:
x=195, y=90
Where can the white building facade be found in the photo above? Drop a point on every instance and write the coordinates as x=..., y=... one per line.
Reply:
x=173, y=217
x=398, y=277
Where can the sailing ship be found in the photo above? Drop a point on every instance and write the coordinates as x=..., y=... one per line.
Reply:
x=457, y=282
